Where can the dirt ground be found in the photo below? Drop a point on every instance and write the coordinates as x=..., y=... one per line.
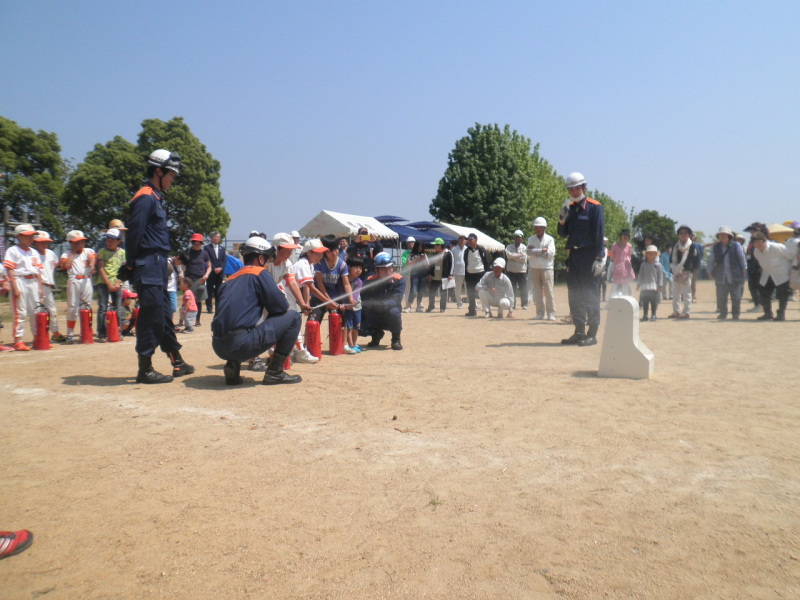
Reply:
x=485, y=460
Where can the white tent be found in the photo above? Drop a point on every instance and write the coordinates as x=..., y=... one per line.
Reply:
x=484, y=240
x=329, y=222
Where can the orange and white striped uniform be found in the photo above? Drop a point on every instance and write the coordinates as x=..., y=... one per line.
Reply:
x=49, y=261
x=79, y=284
x=24, y=270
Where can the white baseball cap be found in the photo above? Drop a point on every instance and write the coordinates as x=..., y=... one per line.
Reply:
x=75, y=236
x=295, y=234
x=314, y=245
x=499, y=262
x=24, y=229
x=42, y=236
x=113, y=233
x=284, y=240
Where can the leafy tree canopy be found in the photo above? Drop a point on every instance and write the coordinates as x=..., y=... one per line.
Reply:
x=489, y=181
x=648, y=223
x=495, y=182
x=33, y=175
x=102, y=185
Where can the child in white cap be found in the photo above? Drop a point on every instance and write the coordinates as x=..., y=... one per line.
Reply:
x=79, y=265
x=650, y=282
x=25, y=283
x=49, y=260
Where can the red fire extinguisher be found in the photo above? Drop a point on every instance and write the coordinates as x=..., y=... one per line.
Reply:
x=86, y=324
x=287, y=364
x=313, y=341
x=112, y=326
x=41, y=340
x=335, y=334
x=135, y=317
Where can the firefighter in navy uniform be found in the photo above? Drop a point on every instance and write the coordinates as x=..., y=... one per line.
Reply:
x=253, y=315
x=581, y=221
x=382, y=300
x=147, y=248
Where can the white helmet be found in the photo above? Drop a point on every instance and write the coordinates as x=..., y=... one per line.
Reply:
x=255, y=245
x=574, y=180
x=540, y=222
x=166, y=160
x=411, y=238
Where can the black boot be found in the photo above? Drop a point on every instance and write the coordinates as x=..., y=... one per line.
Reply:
x=574, y=339
x=179, y=366
x=149, y=375
x=377, y=336
x=590, y=339
x=396, y=345
x=231, y=370
x=275, y=373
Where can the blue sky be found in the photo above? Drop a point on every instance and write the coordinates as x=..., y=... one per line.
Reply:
x=686, y=108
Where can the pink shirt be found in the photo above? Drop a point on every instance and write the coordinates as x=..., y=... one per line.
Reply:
x=189, y=303
x=623, y=269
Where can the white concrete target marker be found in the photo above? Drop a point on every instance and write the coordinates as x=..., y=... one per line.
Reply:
x=624, y=355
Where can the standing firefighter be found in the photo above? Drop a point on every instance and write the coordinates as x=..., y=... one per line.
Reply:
x=581, y=222
x=147, y=249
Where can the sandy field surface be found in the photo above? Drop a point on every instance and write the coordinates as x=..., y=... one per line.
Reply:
x=485, y=460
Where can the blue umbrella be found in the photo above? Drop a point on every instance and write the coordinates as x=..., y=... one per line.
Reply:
x=423, y=224
x=426, y=237
x=389, y=219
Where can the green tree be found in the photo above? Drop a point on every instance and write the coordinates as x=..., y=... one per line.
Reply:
x=489, y=181
x=101, y=187
x=616, y=219
x=195, y=202
x=659, y=227
x=33, y=175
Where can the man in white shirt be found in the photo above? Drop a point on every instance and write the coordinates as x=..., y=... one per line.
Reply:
x=458, y=268
x=776, y=267
x=541, y=255
x=517, y=268
x=495, y=289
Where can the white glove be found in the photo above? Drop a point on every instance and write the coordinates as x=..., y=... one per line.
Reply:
x=564, y=212
x=597, y=267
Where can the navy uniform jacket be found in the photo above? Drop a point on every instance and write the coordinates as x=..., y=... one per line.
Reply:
x=383, y=294
x=148, y=232
x=584, y=227
x=366, y=251
x=243, y=298
x=216, y=263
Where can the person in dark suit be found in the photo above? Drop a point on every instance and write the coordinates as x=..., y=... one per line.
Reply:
x=216, y=252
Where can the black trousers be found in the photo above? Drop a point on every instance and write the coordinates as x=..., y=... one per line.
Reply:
x=154, y=327
x=584, y=292
x=471, y=280
x=213, y=283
